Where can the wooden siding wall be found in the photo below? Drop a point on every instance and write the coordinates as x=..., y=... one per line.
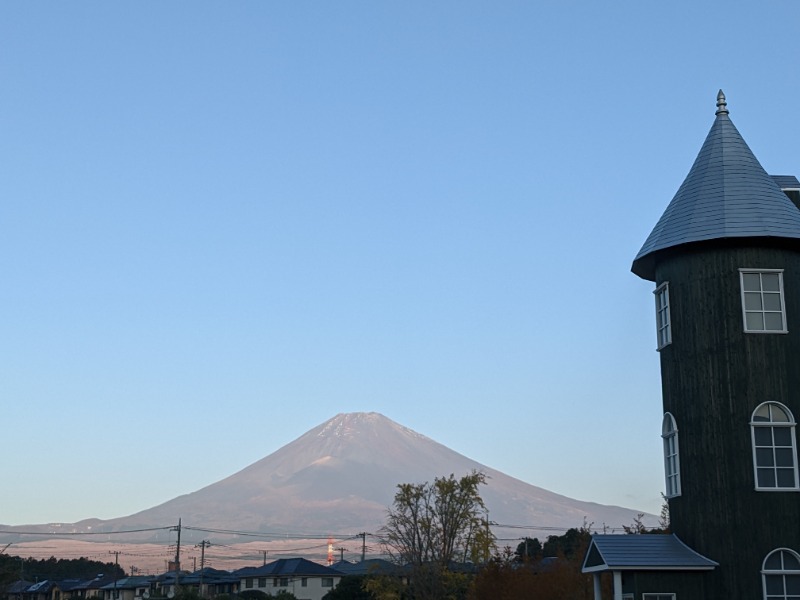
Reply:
x=685, y=586
x=713, y=377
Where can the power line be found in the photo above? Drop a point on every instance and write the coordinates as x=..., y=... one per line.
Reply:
x=75, y=533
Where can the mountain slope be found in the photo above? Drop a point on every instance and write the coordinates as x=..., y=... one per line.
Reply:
x=341, y=477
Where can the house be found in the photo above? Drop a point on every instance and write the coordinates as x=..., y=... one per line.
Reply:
x=91, y=588
x=127, y=588
x=305, y=579
x=210, y=582
x=725, y=261
x=42, y=590
x=16, y=590
x=167, y=583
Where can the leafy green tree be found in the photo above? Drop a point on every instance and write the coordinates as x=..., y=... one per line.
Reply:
x=53, y=568
x=254, y=595
x=569, y=545
x=528, y=550
x=437, y=523
x=351, y=587
x=386, y=587
x=187, y=593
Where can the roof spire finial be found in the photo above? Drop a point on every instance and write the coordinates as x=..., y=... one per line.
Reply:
x=722, y=106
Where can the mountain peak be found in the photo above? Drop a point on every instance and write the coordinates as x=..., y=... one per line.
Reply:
x=342, y=476
x=358, y=424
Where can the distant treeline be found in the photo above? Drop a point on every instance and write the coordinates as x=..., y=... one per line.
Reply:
x=13, y=568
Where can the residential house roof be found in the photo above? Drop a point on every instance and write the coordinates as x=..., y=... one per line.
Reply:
x=18, y=587
x=786, y=182
x=727, y=194
x=129, y=583
x=643, y=552
x=288, y=566
x=209, y=576
x=370, y=566
x=41, y=586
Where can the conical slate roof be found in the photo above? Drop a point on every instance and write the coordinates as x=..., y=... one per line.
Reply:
x=727, y=194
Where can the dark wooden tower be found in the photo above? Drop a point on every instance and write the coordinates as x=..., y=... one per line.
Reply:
x=725, y=260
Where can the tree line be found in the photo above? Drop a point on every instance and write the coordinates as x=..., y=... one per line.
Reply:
x=13, y=568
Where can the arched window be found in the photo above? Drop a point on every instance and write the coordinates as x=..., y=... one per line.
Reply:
x=780, y=575
x=774, y=447
x=672, y=462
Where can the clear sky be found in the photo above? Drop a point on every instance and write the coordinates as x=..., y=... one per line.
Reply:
x=222, y=223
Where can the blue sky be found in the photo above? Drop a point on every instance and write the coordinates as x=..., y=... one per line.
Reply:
x=224, y=223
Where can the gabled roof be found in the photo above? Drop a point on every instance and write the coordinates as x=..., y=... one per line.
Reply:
x=67, y=585
x=370, y=566
x=786, y=182
x=209, y=576
x=727, y=194
x=289, y=566
x=42, y=586
x=643, y=552
x=129, y=583
x=18, y=586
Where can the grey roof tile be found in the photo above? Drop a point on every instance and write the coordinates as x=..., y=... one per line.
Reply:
x=288, y=566
x=643, y=552
x=727, y=194
x=786, y=182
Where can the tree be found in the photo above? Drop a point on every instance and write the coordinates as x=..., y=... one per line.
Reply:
x=350, y=587
x=663, y=518
x=528, y=549
x=254, y=595
x=570, y=545
x=439, y=522
x=557, y=577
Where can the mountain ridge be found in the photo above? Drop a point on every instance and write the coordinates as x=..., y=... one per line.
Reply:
x=341, y=476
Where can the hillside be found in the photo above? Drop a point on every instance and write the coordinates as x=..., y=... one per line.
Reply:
x=339, y=478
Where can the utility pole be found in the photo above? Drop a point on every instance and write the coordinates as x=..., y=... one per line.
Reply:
x=265, y=557
x=363, y=535
x=116, y=566
x=202, y=545
x=178, y=558
x=341, y=550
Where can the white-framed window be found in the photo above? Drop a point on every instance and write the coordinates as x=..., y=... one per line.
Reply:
x=658, y=596
x=262, y=582
x=663, y=321
x=780, y=575
x=774, y=447
x=304, y=582
x=763, y=306
x=672, y=460
x=248, y=582
x=327, y=582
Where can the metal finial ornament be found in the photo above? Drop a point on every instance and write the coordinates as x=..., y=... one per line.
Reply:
x=722, y=106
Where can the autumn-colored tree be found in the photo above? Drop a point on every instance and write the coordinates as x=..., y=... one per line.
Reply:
x=557, y=577
x=439, y=522
x=431, y=525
